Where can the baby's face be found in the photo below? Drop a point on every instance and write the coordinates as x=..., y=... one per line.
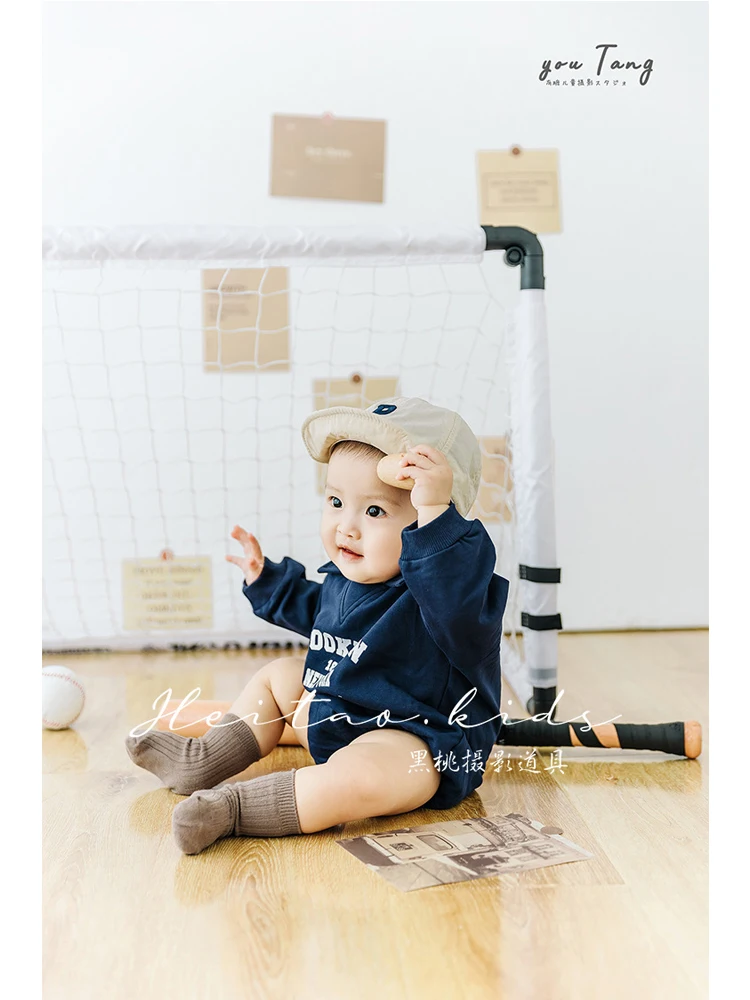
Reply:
x=365, y=515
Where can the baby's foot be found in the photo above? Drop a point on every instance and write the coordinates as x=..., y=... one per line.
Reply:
x=204, y=818
x=187, y=765
x=263, y=807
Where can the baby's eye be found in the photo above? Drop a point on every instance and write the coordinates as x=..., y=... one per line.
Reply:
x=335, y=505
x=375, y=507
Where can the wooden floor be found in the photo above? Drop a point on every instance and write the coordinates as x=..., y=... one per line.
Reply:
x=126, y=915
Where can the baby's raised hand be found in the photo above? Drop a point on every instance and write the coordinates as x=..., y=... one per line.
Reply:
x=432, y=475
x=252, y=562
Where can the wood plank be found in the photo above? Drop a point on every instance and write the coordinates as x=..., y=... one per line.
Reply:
x=126, y=913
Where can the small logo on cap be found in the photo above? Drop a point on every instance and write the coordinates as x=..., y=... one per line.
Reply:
x=384, y=408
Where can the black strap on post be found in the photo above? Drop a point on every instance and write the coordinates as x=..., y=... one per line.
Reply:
x=539, y=574
x=540, y=623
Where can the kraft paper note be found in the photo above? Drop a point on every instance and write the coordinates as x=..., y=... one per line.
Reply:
x=167, y=594
x=519, y=190
x=246, y=319
x=336, y=158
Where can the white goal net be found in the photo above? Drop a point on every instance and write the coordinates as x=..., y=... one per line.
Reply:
x=178, y=368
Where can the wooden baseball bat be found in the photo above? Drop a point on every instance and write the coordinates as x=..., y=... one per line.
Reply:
x=683, y=739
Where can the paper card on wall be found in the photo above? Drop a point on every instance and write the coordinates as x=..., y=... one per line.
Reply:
x=167, y=594
x=357, y=390
x=519, y=189
x=491, y=504
x=325, y=157
x=246, y=319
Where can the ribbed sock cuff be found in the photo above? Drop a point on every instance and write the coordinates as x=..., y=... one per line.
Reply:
x=266, y=806
x=241, y=735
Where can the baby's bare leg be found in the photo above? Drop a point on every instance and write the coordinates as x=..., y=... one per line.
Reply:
x=231, y=746
x=381, y=773
x=274, y=692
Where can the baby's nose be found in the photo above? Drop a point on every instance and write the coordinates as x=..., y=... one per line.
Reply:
x=348, y=525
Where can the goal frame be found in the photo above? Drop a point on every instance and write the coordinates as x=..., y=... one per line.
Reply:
x=531, y=428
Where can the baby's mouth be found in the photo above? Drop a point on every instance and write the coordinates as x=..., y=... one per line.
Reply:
x=348, y=554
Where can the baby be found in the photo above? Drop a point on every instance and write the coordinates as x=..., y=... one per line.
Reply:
x=398, y=697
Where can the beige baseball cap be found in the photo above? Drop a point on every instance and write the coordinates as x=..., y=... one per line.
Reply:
x=397, y=424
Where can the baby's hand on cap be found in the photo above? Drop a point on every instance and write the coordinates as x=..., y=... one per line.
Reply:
x=432, y=475
x=252, y=562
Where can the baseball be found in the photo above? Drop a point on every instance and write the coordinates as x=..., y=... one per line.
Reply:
x=63, y=697
x=388, y=467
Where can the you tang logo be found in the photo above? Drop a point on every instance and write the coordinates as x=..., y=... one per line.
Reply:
x=604, y=60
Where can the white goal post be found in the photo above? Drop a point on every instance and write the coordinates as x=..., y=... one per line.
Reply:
x=179, y=364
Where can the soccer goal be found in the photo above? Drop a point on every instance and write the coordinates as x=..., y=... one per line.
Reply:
x=179, y=364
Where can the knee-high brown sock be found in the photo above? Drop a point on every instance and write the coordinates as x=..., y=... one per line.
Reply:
x=189, y=764
x=263, y=807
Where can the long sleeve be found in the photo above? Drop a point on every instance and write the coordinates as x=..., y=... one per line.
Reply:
x=283, y=596
x=448, y=566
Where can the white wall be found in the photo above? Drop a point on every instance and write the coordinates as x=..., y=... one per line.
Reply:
x=161, y=113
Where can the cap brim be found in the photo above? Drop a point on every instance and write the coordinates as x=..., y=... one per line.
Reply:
x=323, y=428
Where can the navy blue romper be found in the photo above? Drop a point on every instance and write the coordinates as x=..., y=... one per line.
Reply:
x=406, y=652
